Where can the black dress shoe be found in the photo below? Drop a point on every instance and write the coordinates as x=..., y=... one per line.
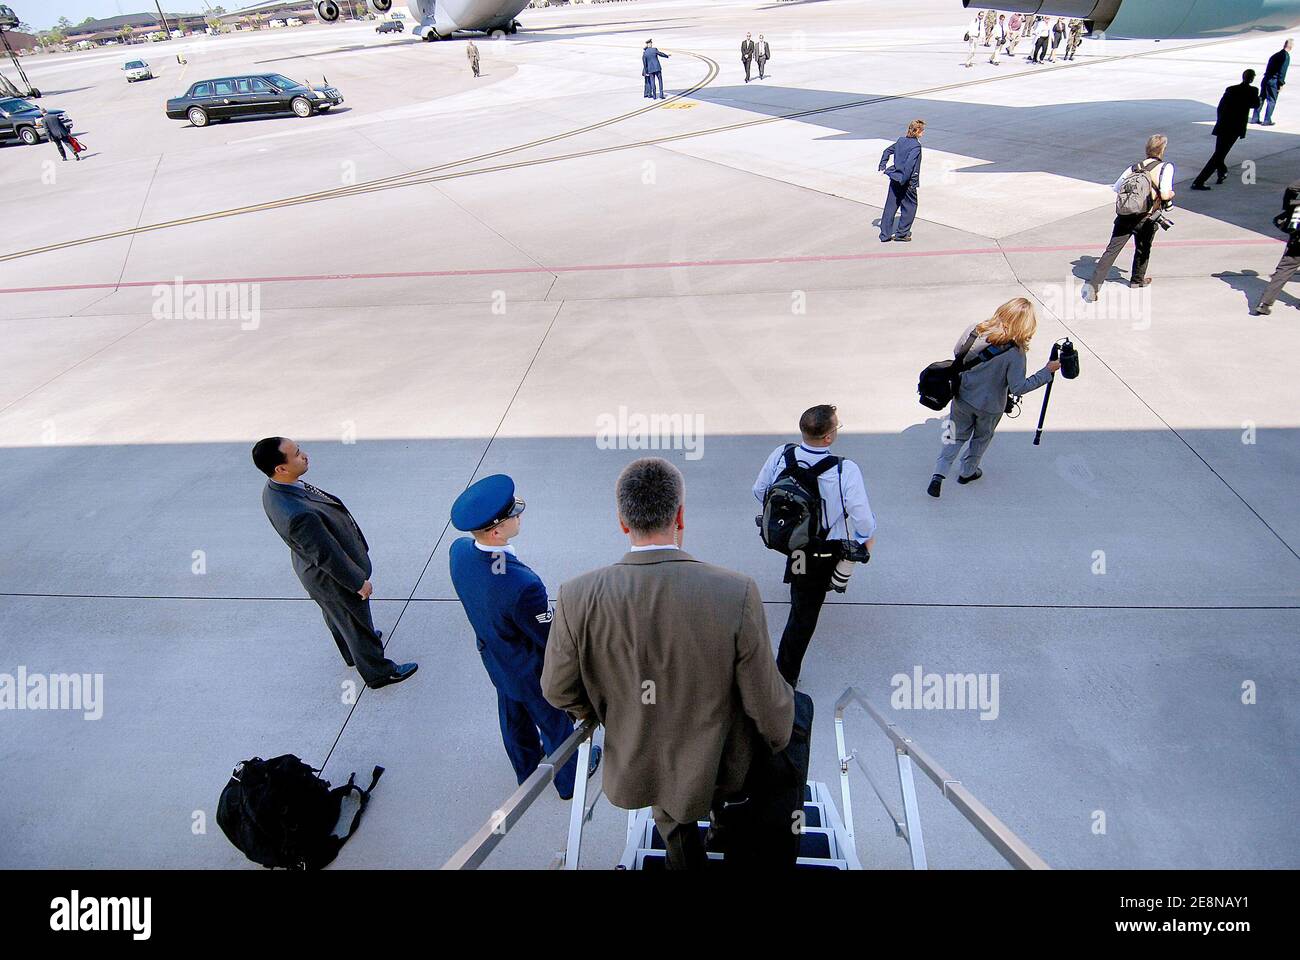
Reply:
x=593, y=763
x=1263, y=310
x=973, y=477
x=936, y=482
x=403, y=671
x=1199, y=186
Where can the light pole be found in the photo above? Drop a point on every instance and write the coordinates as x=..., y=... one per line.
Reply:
x=162, y=16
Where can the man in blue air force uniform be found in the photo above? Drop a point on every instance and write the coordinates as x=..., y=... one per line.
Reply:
x=507, y=607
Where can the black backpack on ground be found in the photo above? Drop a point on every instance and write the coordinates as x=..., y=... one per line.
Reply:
x=757, y=829
x=792, y=507
x=281, y=814
x=940, y=381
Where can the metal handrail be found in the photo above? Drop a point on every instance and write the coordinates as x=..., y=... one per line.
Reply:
x=1014, y=850
x=477, y=848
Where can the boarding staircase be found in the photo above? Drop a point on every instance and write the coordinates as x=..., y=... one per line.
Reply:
x=823, y=842
x=826, y=841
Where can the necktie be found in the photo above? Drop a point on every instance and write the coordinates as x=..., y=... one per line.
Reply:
x=319, y=492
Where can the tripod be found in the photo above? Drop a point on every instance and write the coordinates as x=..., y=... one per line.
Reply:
x=1047, y=395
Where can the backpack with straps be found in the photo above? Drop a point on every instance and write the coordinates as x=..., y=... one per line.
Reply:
x=792, y=507
x=940, y=381
x=279, y=813
x=1136, y=191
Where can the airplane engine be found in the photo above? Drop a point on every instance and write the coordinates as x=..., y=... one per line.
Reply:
x=380, y=6
x=327, y=11
x=1162, y=19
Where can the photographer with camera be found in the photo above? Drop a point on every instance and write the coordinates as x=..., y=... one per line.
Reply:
x=1288, y=221
x=991, y=356
x=1144, y=192
x=816, y=512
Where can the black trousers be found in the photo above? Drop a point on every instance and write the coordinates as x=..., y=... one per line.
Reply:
x=1286, y=269
x=1040, y=49
x=349, y=622
x=807, y=594
x=1216, y=164
x=58, y=142
x=746, y=61
x=1143, y=232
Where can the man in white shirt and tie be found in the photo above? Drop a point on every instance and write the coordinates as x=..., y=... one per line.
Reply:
x=846, y=516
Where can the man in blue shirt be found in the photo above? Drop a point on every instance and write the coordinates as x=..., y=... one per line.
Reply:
x=652, y=69
x=904, y=181
x=846, y=516
x=1271, y=86
x=507, y=607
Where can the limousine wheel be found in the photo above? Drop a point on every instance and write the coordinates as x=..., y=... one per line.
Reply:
x=301, y=106
x=29, y=136
x=198, y=116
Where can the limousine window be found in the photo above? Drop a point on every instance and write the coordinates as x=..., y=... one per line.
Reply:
x=201, y=90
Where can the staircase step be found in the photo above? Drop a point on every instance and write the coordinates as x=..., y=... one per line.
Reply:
x=818, y=863
x=813, y=815
x=816, y=842
x=658, y=860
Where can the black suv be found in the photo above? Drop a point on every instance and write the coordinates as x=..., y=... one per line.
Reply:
x=391, y=26
x=253, y=94
x=21, y=120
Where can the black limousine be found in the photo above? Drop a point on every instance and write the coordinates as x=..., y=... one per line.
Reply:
x=249, y=95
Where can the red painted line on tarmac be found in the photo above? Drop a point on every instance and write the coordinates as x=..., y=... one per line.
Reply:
x=598, y=267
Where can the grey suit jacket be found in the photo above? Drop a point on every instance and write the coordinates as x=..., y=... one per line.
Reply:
x=330, y=554
x=672, y=656
x=986, y=385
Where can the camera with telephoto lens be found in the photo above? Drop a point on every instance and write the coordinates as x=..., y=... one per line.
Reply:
x=851, y=552
x=1159, y=217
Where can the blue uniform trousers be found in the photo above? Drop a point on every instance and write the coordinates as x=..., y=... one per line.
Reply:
x=900, y=201
x=520, y=722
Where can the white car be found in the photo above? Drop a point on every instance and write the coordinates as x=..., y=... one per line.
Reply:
x=294, y=22
x=276, y=24
x=137, y=70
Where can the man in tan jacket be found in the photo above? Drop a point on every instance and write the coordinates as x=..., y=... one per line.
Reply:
x=672, y=656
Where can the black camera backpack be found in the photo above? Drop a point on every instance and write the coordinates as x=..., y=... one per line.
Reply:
x=940, y=381
x=281, y=814
x=792, y=507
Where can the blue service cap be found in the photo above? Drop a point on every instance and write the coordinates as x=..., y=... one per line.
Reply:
x=485, y=503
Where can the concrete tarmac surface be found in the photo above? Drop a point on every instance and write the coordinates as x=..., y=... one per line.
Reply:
x=446, y=277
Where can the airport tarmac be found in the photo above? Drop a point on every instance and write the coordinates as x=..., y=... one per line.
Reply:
x=449, y=277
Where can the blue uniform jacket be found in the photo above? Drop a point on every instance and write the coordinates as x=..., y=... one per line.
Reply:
x=509, y=613
x=650, y=60
x=906, y=152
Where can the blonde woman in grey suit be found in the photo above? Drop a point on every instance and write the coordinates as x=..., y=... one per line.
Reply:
x=995, y=352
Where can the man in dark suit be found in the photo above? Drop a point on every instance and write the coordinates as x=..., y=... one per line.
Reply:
x=1230, y=126
x=507, y=607
x=762, y=53
x=330, y=557
x=1271, y=86
x=904, y=183
x=652, y=69
x=56, y=128
x=672, y=656
x=1290, y=262
x=746, y=54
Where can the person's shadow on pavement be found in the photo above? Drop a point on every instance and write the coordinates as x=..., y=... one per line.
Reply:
x=1251, y=284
